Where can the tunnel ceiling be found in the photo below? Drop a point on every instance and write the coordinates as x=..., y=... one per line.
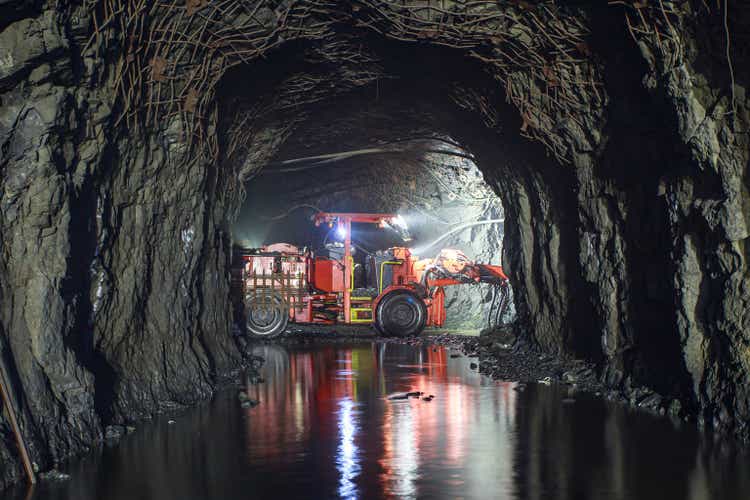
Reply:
x=538, y=54
x=392, y=125
x=365, y=153
x=614, y=133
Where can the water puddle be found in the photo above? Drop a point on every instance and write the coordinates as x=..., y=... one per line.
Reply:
x=326, y=428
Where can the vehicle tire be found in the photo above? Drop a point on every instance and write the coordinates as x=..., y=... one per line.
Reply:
x=401, y=314
x=266, y=316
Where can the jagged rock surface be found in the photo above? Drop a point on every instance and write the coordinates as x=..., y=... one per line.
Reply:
x=114, y=242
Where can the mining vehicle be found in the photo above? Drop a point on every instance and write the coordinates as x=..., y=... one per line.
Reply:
x=282, y=283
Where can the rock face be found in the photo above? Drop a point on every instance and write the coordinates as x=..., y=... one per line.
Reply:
x=112, y=275
x=620, y=156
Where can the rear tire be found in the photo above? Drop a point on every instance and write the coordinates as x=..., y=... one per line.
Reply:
x=266, y=316
x=401, y=314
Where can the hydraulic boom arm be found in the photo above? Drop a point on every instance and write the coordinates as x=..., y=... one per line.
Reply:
x=453, y=267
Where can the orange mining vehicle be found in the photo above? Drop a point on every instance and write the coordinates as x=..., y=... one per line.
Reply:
x=282, y=283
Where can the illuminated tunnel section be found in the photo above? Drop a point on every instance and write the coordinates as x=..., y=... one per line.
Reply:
x=441, y=197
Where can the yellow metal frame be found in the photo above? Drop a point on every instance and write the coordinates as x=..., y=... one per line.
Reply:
x=351, y=281
x=356, y=310
x=353, y=311
x=382, y=267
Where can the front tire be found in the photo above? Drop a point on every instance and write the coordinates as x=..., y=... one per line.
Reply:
x=401, y=314
x=266, y=316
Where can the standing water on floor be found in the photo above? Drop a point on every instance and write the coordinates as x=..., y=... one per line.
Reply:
x=326, y=428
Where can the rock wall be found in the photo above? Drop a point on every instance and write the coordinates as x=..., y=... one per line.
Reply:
x=703, y=75
x=120, y=172
x=112, y=271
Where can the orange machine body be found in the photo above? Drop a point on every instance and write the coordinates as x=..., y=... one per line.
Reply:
x=320, y=289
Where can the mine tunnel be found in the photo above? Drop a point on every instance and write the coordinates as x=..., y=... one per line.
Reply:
x=374, y=248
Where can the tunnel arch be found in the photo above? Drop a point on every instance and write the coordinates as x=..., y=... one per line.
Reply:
x=118, y=198
x=437, y=102
x=398, y=159
x=573, y=133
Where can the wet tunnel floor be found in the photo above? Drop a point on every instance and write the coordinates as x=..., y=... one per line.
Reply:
x=325, y=428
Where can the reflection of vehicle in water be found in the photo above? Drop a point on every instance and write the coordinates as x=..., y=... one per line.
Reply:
x=281, y=283
x=326, y=409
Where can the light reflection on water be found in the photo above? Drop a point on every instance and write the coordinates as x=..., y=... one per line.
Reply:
x=405, y=442
x=325, y=428
x=347, y=456
x=400, y=460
